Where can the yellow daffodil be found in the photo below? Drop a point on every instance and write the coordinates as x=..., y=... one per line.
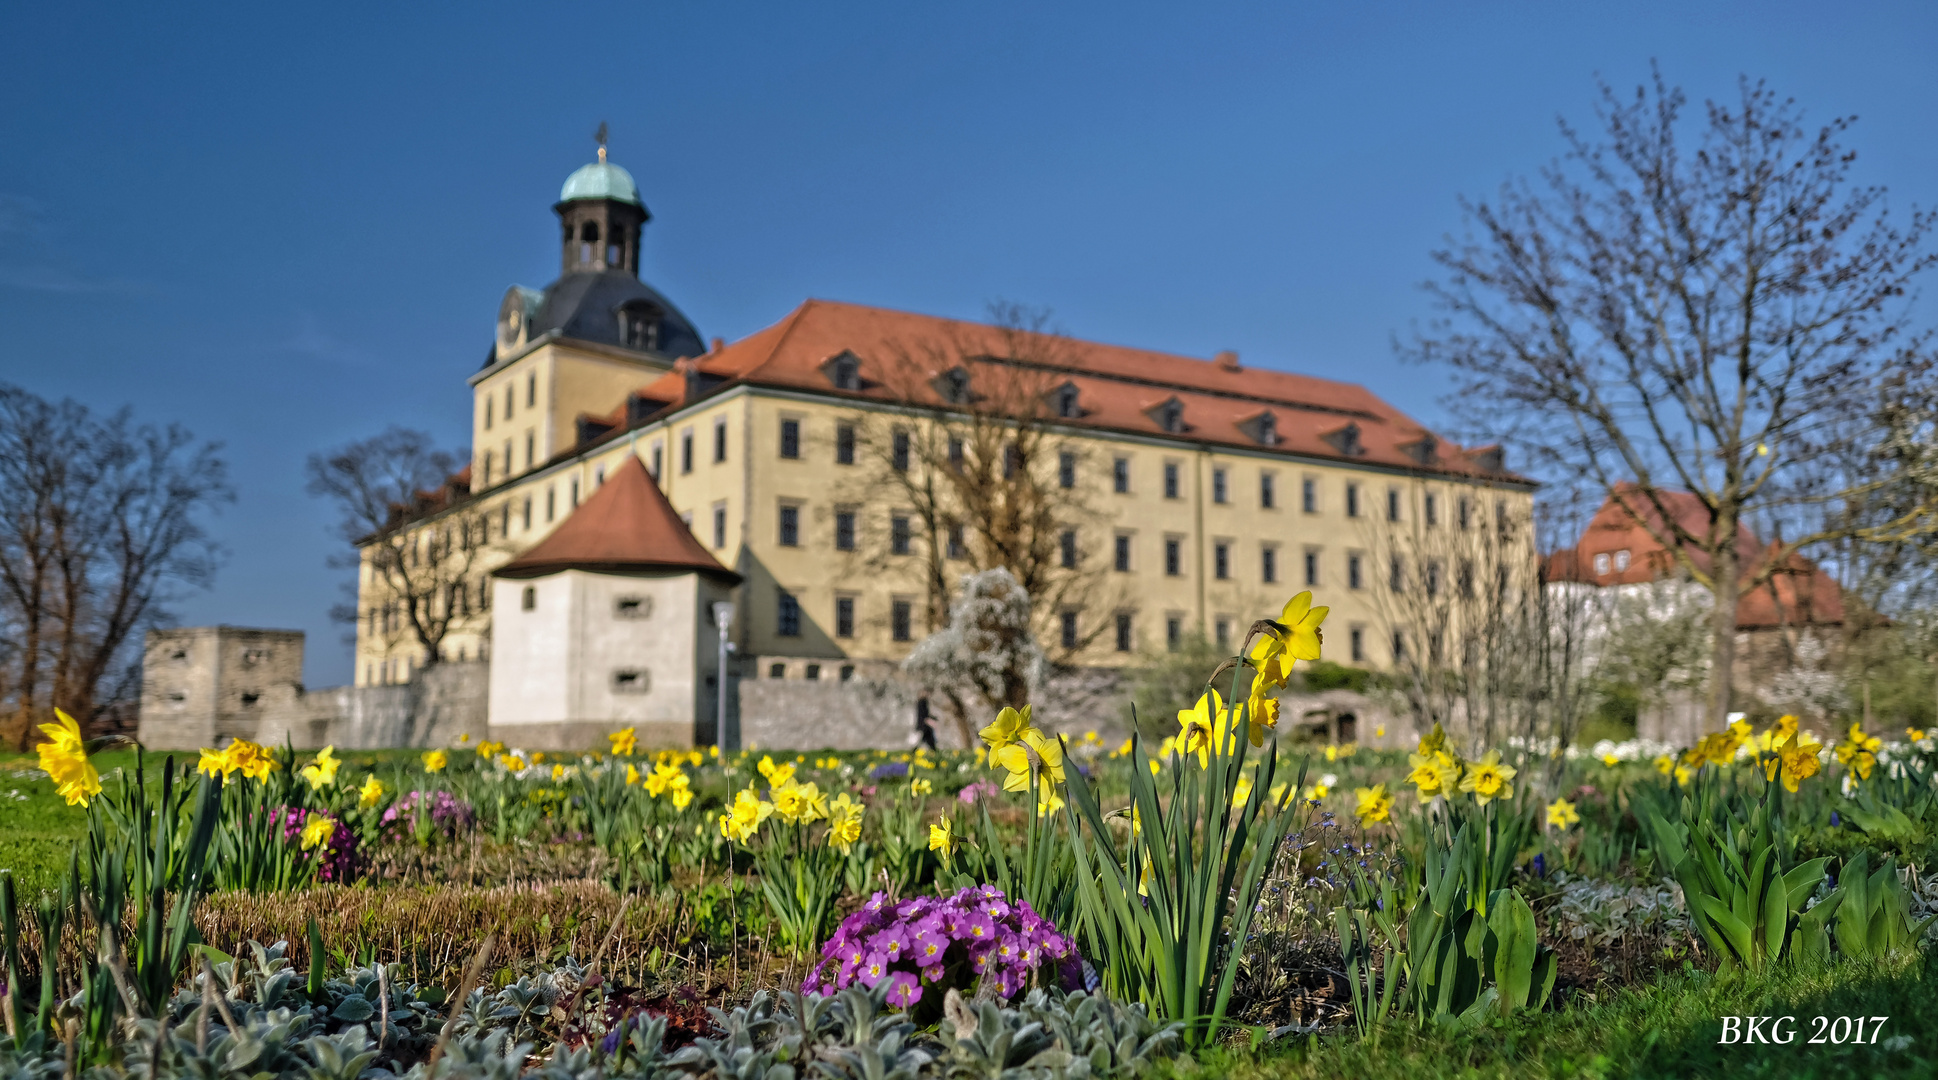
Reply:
x=249, y=759
x=435, y=761
x=919, y=787
x=558, y=773
x=1914, y=734
x=317, y=831
x=490, y=749
x=511, y=763
x=1424, y=776
x=632, y=774
x=1562, y=814
x=1665, y=765
x=371, y=793
x=624, y=742
x=1047, y=800
x=63, y=757
x=1433, y=740
x=322, y=772
x=1295, y=635
x=1862, y=763
x=1332, y=752
x=844, y=822
x=942, y=837
x=1008, y=728
x=1488, y=779
x=1795, y=761
x=1316, y=792
x=1375, y=805
x=1261, y=713
x=1611, y=760
x=744, y=817
x=538, y=757
x=1199, y=725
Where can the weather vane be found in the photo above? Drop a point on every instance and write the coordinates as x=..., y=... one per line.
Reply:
x=600, y=137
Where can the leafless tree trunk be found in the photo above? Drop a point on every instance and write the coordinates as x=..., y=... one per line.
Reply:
x=1720, y=315
x=99, y=530
x=974, y=454
x=426, y=573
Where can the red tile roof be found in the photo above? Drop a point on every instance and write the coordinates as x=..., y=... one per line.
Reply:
x=1118, y=387
x=625, y=525
x=1797, y=594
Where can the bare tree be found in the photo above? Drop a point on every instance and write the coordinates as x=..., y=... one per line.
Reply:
x=426, y=573
x=974, y=453
x=1718, y=313
x=100, y=529
x=986, y=657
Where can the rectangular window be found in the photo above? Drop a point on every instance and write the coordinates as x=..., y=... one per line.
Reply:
x=1219, y=488
x=844, y=444
x=551, y=503
x=1221, y=560
x=790, y=526
x=898, y=451
x=575, y=493
x=531, y=448
x=1392, y=504
x=1353, y=576
x=1431, y=509
x=1170, y=479
x=958, y=548
x=1309, y=495
x=1221, y=632
x=900, y=617
x=1120, y=476
x=1396, y=574
x=686, y=451
x=1399, y=646
x=1173, y=632
x=527, y=515
x=1173, y=556
x=1066, y=469
x=1269, y=564
x=656, y=456
x=511, y=397
x=790, y=438
x=1358, y=642
x=844, y=616
x=531, y=390
x=719, y=441
x=1123, y=631
x=1069, y=629
x=1352, y=500
x=788, y=616
x=1267, y=495
x=898, y=535
x=489, y=402
x=844, y=530
x=1430, y=577
x=1123, y=553
x=1312, y=569
x=1068, y=548
x=1466, y=511
x=720, y=525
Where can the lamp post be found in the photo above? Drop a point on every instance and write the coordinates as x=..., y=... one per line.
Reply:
x=727, y=738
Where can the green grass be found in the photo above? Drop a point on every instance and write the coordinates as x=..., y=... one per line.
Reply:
x=1670, y=1029
x=37, y=833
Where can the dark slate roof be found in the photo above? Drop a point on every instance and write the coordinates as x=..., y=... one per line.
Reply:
x=586, y=307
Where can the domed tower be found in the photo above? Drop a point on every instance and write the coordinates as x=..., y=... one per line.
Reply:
x=600, y=216
x=598, y=297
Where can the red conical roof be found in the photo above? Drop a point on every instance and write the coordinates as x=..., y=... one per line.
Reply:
x=626, y=525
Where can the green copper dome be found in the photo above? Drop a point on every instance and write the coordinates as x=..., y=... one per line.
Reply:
x=601, y=180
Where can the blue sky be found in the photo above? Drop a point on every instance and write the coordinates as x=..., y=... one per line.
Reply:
x=286, y=226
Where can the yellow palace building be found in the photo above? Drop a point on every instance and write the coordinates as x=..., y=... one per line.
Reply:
x=1173, y=495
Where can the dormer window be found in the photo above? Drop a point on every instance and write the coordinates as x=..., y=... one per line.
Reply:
x=953, y=385
x=1169, y=415
x=1423, y=450
x=844, y=371
x=1066, y=403
x=1601, y=564
x=1346, y=441
x=1268, y=429
x=639, y=326
x=1621, y=560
